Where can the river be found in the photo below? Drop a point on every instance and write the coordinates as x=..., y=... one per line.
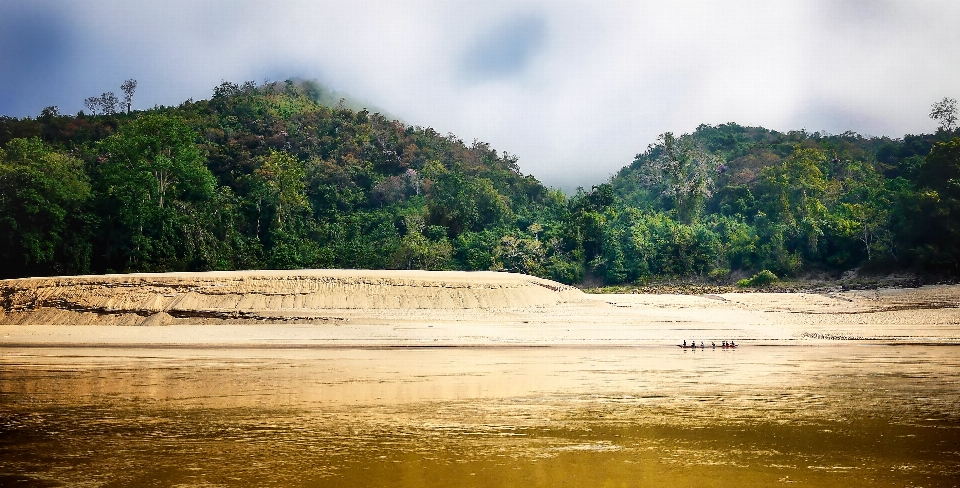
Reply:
x=844, y=414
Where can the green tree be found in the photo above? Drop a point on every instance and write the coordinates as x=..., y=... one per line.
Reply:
x=416, y=251
x=939, y=210
x=793, y=190
x=156, y=158
x=861, y=210
x=154, y=181
x=686, y=173
x=461, y=203
x=474, y=250
x=281, y=177
x=519, y=255
x=41, y=193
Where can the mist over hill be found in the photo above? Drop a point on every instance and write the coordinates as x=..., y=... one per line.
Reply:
x=290, y=174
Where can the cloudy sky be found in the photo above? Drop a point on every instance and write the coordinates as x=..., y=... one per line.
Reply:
x=574, y=88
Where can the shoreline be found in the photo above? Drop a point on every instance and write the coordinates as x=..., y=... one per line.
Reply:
x=669, y=287
x=345, y=308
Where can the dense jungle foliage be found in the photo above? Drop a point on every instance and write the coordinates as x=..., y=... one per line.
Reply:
x=278, y=176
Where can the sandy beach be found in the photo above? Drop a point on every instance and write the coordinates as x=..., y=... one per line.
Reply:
x=410, y=308
x=371, y=378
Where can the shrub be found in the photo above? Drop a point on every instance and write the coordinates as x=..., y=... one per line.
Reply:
x=718, y=274
x=762, y=278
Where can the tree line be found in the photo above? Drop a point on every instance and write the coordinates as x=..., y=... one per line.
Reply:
x=276, y=176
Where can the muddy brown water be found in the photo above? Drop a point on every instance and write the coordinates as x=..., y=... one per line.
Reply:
x=653, y=415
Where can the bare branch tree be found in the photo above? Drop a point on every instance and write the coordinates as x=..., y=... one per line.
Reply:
x=128, y=88
x=109, y=103
x=945, y=112
x=92, y=104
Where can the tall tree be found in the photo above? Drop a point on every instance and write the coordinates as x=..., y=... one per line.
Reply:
x=939, y=212
x=154, y=175
x=128, y=88
x=92, y=104
x=281, y=177
x=796, y=214
x=685, y=171
x=945, y=113
x=41, y=191
x=461, y=203
x=157, y=157
x=107, y=104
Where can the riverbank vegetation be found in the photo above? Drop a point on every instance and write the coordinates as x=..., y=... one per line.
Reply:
x=277, y=176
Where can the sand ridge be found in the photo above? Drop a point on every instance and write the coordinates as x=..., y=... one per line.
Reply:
x=271, y=295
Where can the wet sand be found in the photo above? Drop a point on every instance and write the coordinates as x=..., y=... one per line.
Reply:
x=851, y=389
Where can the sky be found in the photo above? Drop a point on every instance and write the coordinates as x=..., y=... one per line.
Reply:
x=575, y=89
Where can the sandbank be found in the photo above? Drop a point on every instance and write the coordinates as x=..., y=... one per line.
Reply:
x=364, y=308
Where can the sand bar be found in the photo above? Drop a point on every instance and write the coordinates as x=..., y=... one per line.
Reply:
x=356, y=308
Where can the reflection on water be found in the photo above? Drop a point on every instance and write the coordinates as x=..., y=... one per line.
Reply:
x=645, y=416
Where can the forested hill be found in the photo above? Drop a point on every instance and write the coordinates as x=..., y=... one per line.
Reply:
x=277, y=176
x=256, y=177
x=747, y=198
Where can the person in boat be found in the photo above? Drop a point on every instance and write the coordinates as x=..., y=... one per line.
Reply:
x=684, y=343
x=713, y=344
x=724, y=344
x=732, y=344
